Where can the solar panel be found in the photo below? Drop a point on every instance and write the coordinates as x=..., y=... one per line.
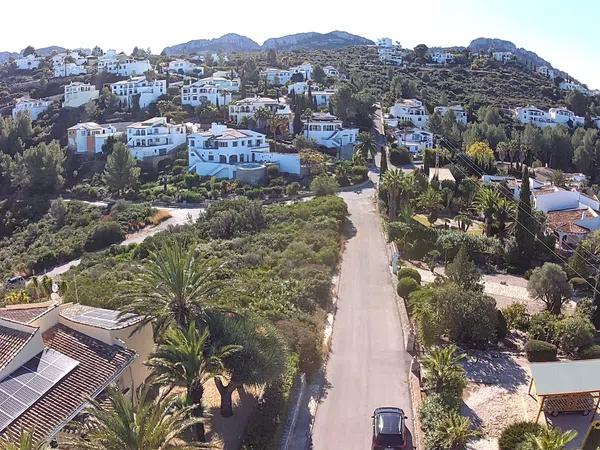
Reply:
x=26, y=385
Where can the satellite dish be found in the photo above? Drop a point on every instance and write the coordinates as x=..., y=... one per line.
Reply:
x=54, y=287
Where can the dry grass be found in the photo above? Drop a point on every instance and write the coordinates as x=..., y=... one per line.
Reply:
x=159, y=216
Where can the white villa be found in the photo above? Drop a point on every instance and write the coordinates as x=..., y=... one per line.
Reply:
x=502, y=56
x=148, y=91
x=571, y=86
x=247, y=107
x=331, y=71
x=123, y=66
x=442, y=57
x=200, y=93
x=410, y=110
x=222, y=83
x=89, y=137
x=228, y=153
x=277, y=77
x=77, y=94
x=546, y=71
x=305, y=69
x=299, y=87
x=459, y=112
x=68, y=70
x=32, y=107
x=29, y=62
x=185, y=67
x=543, y=119
x=389, y=53
x=328, y=131
x=322, y=98
x=154, y=137
x=415, y=140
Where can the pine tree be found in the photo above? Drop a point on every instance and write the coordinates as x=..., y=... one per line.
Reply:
x=121, y=171
x=463, y=272
x=525, y=226
x=383, y=164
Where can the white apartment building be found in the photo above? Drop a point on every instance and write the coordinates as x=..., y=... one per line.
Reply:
x=73, y=55
x=502, y=56
x=68, y=70
x=571, y=86
x=185, y=67
x=32, y=107
x=410, y=110
x=277, y=77
x=565, y=117
x=299, y=87
x=200, y=93
x=223, y=152
x=415, y=140
x=226, y=84
x=328, y=131
x=389, y=53
x=123, y=66
x=246, y=108
x=546, y=71
x=154, y=137
x=89, y=137
x=29, y=62
x=331, y=71
x=459, y=112
x=148, y=91
x=78, y=94
x=322, y=97
x=442, y=57
x=305, y=69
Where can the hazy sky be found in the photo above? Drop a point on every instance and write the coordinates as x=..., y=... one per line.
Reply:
x=566, y=33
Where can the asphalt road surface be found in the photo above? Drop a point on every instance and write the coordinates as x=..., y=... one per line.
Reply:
x=368, y=366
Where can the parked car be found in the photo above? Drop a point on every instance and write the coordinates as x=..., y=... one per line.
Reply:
x=15, y=282
x=389, y=428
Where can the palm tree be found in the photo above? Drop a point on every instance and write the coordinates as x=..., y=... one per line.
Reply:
x=502, y=149
x=456, y=431
x=306, y=117
x=463, y=221
x=392, y=183
x=366, y=145
x=549, y=439
x=262, y=115
x=505, y=212
x=443, y=366
x=487, y=201
x=26, y=442
x=172, y=287
x=149, y=424
x=277, y=124
x=186, y=358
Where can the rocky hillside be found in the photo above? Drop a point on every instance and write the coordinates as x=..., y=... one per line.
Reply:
x=500, y=45
x=5, y=56
x=315, y=41
x=230, y=42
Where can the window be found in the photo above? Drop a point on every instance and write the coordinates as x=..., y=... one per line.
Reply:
x=235, y=144
x=211, y=157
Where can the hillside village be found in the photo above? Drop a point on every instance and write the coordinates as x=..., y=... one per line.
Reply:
x=190, y=240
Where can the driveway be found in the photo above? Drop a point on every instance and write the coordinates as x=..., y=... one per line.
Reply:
x=368, y=366
x=179, y=216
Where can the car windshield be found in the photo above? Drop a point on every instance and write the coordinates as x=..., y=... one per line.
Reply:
x=389, y=429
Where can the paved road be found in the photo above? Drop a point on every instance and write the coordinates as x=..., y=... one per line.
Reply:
x=179, y=216
x=368, y=366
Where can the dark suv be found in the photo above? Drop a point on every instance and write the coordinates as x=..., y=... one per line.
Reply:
x=389, y=430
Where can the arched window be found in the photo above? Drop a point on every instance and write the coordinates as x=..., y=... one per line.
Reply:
x=233, y=159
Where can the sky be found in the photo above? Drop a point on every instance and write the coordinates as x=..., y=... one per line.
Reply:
x=565, y=33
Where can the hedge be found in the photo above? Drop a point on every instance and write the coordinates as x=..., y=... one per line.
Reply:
x=589, y=352
x=409, y=272
x=406, y=286
x=515, y=434
x=540, y=351
x=105, y=234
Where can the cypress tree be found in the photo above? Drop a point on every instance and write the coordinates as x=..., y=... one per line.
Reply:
x=525, y=226
x=297, y=123
x=596, y=303
x=383, y=163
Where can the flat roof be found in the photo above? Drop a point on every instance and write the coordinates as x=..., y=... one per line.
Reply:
x=566, y=377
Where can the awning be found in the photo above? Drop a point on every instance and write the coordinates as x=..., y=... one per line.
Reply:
x=568, y=377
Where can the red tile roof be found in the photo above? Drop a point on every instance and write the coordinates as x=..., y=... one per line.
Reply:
x=12, y=342
x=564, y=221
x=99, y=365
x=25, y=314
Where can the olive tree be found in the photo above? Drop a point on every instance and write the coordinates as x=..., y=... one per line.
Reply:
x=549, y=284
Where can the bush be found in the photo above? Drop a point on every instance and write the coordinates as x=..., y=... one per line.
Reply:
x=409, y=272
x=515, y=434
x=432, y=412
x=589, y=352
x=502, y=326
x=542, y=326
x=406, y=286
x=540, y=351
x=578, y=283
x=400, y=156
x=323, y=185
x=105, y=234
x=397, y=230
x=191, y=197
x=574, y=332
x=517, y=317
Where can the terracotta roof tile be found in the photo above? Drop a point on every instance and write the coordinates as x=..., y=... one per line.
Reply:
x=564, y=221
x=24, y=315
x=11, y=343
x=99, y=365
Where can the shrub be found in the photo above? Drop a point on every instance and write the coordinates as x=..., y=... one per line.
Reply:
x=514, y=435
x=409, y=272
x=105, y=234
x=540, y=351
x=397, y=230
x=589, y=352
x=432, y=412
x=406, y=286
x=400, y=156
x=323, y=185
x=502, y=326
x=578, y=283
x=542, y=326
x=517, y=317
x=574, y=332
